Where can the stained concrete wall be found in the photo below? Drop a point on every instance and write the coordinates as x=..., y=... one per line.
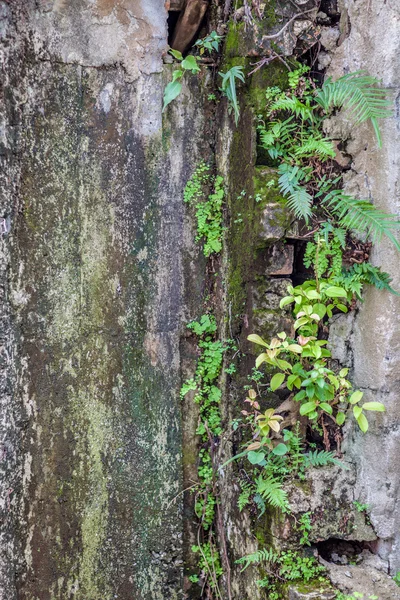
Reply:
x=370, y=40
x=97, y=260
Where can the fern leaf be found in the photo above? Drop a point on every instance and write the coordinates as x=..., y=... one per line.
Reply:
x=321, y=459
x=293, y=105
x=362, y=216
x=316, y=145
x=271, y=490
x=358, y=92
x=264, y=555
x=298, y=199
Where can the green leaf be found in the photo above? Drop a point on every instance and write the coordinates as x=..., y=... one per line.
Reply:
x=190, y=64
x=177, y=74
x=307, y=408
x=376, y=406
x=286, y=300
x=334, y=291
x=280, y=450
x=342, y=307
x=260, y=359
x=172, y=90
x=176, y=54
x=326, y=407
x=295, y=348
x=320, y=310
x=256, y=457
x=362, y=422
x=276, y=381
x=256, y=339
x=340, y=418
x=357, y=410
x=283, y=364
x=356, y=397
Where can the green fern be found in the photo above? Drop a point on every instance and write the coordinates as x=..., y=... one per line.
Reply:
x=356, y=91
x=321, y=459
x=244, y=497
x=259, y=502
x=228, y=87
x=299, y=200
x=264, y=555
x=271, y=490
x=354, y=278
x=362, y=216
x=316, y=145
x=292, y=104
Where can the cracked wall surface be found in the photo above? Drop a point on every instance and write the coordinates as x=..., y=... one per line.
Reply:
x=370, y=40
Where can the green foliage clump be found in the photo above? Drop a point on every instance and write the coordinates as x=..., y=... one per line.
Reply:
x=209, y=563
x=189, y=64
x=294, y=137
x=209, y=207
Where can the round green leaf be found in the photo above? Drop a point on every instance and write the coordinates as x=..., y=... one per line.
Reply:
x=356, y=397
x=340, y=418
x=286, y=300
x=326, y=407
x=190, y=64
x=276, y=381
x=334, y=291
x=320, y=310
x=280, y=450
x=255, y=457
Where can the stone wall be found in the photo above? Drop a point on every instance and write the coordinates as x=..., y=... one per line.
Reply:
x=99, y=275
x=370, y=40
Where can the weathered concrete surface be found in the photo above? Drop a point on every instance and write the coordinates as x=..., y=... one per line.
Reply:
x=373, y=44
x=92, y=185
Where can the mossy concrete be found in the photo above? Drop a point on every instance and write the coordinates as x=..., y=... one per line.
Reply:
x=101, y=267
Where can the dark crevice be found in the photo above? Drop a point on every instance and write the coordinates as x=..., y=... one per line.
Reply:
x=173, y=17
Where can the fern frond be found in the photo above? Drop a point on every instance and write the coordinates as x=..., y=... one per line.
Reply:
x=353, y=279
x=271, y=490
x=264, y=555
x=321, y=459
x=292, y=104
x=244, y=497
x=298, y=199
x=316, y=146
x=362, y=216
x=358, y=92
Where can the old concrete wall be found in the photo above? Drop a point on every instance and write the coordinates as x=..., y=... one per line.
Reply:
x=97, y=259
x=371, y=41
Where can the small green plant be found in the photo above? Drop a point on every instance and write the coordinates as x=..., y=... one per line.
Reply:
x=228, y=88
x=396, y=578
x=174, y=87
x=304, y=527
x=360, y=507
x=245, y=494
x=210, y=43
x=188, y=64
x=209, y=564
x=209, y=207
